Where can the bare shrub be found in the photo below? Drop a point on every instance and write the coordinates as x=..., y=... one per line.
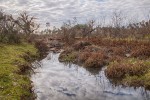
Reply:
x=27, y=24
x=9, y=32
x=42, y=47
x=13, y=30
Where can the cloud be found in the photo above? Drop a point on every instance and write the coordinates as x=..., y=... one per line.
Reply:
x=58, y=11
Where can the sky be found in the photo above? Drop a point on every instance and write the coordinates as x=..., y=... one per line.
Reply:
x=58, y=11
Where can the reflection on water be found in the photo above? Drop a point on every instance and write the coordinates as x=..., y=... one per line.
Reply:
x=56, y=81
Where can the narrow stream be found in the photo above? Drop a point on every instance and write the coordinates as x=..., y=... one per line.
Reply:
x=57, y=81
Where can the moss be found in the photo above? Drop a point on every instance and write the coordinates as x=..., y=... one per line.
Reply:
x=13, y=84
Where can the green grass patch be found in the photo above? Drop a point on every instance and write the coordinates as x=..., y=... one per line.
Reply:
x=14, y=85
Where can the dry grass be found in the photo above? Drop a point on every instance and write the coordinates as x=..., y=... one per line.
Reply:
x=80, y=45
x=84, y=56
x=115, y=42
x=131, y=67
x=141, y=52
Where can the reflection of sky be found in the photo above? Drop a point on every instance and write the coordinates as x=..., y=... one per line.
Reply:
x=58, y=11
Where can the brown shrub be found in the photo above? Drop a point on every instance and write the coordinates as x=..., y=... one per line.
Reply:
x=134, y=81
x=42, y=47
x=84, y=56
x=96, y=60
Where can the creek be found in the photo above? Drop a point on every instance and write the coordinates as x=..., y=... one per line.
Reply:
x=58, y=81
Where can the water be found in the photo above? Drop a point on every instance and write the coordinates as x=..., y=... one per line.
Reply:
x=57, y=81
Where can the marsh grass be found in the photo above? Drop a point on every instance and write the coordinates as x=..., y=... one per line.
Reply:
x=128, y=59
x=96, y=60
x=130, y=72
x=68, y=57
x=14, y=85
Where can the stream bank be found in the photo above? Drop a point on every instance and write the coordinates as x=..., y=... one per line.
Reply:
x=128, y=60
x=15, y=61
x=54, y=80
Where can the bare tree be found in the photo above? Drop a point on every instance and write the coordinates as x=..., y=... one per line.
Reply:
x=27, y=23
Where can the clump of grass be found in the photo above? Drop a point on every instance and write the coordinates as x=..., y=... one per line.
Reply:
x=134, y=81
x=129, y=67
x=138, y=81
x=130, y=72
x=68, y=57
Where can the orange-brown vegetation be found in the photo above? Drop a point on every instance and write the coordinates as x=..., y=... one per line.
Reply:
x=129, y=67
x=141, y=52
x=83, y=56
x=96, y=60
x=95, y=46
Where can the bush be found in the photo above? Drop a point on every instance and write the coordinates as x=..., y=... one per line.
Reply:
x=83, y=56
x=96, y=60
x=12, y=30
x=42, y=47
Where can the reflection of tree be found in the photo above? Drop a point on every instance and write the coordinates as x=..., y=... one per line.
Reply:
x=145, y=94
x=93, y=71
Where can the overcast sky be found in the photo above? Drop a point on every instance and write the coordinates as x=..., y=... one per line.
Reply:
x=58, y=11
